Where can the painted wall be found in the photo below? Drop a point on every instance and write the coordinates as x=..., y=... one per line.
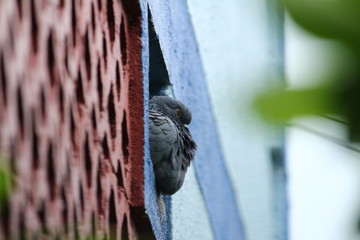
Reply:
x=210, y=208
x=240, y=44
x=216, y=56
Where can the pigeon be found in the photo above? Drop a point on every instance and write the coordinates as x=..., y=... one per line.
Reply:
x=172, y=147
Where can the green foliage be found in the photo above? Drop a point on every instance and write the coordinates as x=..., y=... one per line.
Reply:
x=329, y=19
x=337, y=21
x=5, y=181
x=281, y=105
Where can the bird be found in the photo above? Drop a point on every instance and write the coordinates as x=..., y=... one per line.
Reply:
x=172, y=147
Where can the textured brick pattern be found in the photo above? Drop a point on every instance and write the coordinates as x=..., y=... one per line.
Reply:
x=71, y=119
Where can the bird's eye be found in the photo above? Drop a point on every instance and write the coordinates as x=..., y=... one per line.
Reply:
x=177, y=111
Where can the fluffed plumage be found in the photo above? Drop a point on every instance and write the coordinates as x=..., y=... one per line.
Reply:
x=171, y=145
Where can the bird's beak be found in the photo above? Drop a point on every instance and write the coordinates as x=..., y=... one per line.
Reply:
x=185, y=125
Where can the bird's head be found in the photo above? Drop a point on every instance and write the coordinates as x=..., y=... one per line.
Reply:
x=171, y=108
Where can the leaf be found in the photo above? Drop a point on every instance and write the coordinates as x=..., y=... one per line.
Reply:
x=329, y=19
x=5, y=180
x=283, y=105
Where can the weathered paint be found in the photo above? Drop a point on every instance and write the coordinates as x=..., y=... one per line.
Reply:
x=217, y=204
x=241, y=45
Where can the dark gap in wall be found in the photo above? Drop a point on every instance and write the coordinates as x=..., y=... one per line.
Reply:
x=51, y=58
x=124, y=230
x=112, y=217
x=105, y=50
x=72, y=129
x=142, y=223
x=105, y=147
x=277, y=157
x=22, y=226
x=51, y=171
x=13, y=158
x=112, y=113
x=119, y=176
x=159, y=83
x=34, y=27
x=93, y=23
x=73, y=21
x=61, y=3
x=99, y=2
x=42, y=103
x=82, y=201
x=79, y=89
x=41, y=213
x=75, y=222
x=88, y=161
x=99, y=86
x=133, y=11
x=20, y=111
x=66, y=55
x=87, y=56
x=61, y=103
x=65, y=209
x=5, y=210
x=118, y=80
x=20, y=8
x=35, y=144
x=98, y=188
x=125, y=139
x=93, y=118
x=123, y=41
x=3, y=79
x=110, y=19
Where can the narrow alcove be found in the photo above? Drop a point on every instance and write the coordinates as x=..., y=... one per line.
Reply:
x=111, y=19
x=34, y=27
x=51, y=58
x=20, y=111
x=51, y=178
x=112, y=217
x=88, y=161
x=3, y=79
x=159, y=83
x=87, y=55
x=73, y=22
x=20, y=8
x=65, y=209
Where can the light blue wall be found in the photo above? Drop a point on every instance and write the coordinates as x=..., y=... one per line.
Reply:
x=241, y=46
x=206, y=206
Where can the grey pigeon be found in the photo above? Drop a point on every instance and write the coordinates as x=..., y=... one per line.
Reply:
x=171, y=145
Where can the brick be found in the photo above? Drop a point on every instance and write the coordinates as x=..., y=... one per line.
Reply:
x=71, y=119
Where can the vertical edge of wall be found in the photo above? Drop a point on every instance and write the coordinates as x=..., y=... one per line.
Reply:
x=279, y=175
x=135, y=102
x=174, y=28
x=157, y=209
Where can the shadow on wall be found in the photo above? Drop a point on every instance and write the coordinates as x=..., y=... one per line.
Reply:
x=159, y=83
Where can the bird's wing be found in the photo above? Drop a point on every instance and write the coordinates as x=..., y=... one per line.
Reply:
x=164, y=138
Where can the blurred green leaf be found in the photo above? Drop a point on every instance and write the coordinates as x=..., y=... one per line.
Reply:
x=5, y=180
x=329, y=19
x=282, y=105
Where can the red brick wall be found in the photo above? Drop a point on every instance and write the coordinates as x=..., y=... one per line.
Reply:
x=71, y=119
